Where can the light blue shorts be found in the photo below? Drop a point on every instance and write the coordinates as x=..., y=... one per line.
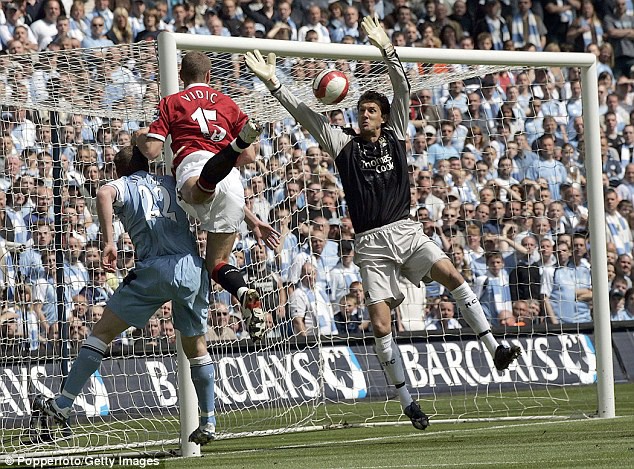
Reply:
x=180, y=278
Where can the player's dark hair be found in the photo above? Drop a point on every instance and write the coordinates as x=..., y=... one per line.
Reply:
x=194, y=66
x=378, y=98
x=128, y=161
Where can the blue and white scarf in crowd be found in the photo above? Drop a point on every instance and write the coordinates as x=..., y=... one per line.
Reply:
x=617, y=227
x=587, y=36
x=501, y=292
x=519, y=39
x=494, y=293
x=499, y=32
x=565, y=16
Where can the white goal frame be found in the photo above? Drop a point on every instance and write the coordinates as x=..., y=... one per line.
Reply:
x=169, y=43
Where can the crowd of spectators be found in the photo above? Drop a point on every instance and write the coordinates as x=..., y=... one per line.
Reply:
x=496, y=164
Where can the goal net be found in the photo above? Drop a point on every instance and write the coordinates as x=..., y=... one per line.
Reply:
x=74, y=109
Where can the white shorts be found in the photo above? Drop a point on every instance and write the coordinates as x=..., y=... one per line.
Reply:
x=225, y=212
x=385, y=252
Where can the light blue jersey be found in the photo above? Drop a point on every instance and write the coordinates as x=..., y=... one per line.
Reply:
x=168, y=267
x=146, y=205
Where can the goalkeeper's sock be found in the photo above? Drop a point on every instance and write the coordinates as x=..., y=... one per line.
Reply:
x=230, y=278
x=472, y=311
x=87, y=362
x=220, y=165
x=392, y=362
x=202, y=371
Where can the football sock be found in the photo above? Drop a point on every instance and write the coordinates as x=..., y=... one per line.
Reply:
x=471, y=309
x=220, y=165
x=202, y=371
x=87, y=362
x=229, y=277
x=391, y=361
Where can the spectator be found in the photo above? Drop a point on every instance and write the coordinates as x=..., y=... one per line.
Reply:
x=525, y=278
x=345, y=272
x=219, y=329
x=121, y=29
x=284, y=15
x=79, y=24
x=97, y=290
x=567, y=289
x=232, y=16
x=350, y=26
x=45, y=294
x=527, y=28
x=574, y=209
x=313, y=23
x=181, y=21
x=97, y=37
x=619, y=32
x=14, y=18
x=494, y=24
x=151, y=24
x=45, y=29
x=461, y=261
x=318, y=257
x=626, y=312
x=75, y=273
x=348, y=320
x=310, y=306
x=547, y=167
x=586, y=28
x=136, y=13
x=444, y=149
x=493, y=288
x=617, y=227
x=102, y=10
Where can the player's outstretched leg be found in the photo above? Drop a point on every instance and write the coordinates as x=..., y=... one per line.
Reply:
x=230, y=278
x=253, y=314
x=504, y=356
x=88, y=360
x=469, y=305
x=218, y=167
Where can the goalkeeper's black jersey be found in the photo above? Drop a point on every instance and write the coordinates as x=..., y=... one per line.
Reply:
x=374, y=175
x=375, y=180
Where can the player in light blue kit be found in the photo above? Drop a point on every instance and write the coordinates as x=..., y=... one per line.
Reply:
x=168, y=268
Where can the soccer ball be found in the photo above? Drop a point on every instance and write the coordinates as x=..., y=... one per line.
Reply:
x=331, y=86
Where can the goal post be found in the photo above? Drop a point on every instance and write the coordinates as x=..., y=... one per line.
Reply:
x=170, y=43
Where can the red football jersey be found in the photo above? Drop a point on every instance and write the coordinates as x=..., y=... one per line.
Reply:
x=197, y=118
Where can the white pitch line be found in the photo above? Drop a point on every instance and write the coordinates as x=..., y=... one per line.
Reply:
x=458, y=464
x=389, y=437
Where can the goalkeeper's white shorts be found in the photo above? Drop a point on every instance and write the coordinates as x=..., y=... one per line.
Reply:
x=382, y=253
x=225, y=212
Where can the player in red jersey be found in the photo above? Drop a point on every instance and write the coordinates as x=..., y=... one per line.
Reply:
x=210, y=137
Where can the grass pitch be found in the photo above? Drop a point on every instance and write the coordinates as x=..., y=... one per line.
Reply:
x=579, y=443
x=572, y=441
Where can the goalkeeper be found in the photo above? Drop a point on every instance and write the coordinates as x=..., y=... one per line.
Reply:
x=373, y=169
x=168, y=267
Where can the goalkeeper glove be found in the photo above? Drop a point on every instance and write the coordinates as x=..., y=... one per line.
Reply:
x=264, y=70
x=376, y=34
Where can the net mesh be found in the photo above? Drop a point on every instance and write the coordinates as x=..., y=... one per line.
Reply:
x=103, y=95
